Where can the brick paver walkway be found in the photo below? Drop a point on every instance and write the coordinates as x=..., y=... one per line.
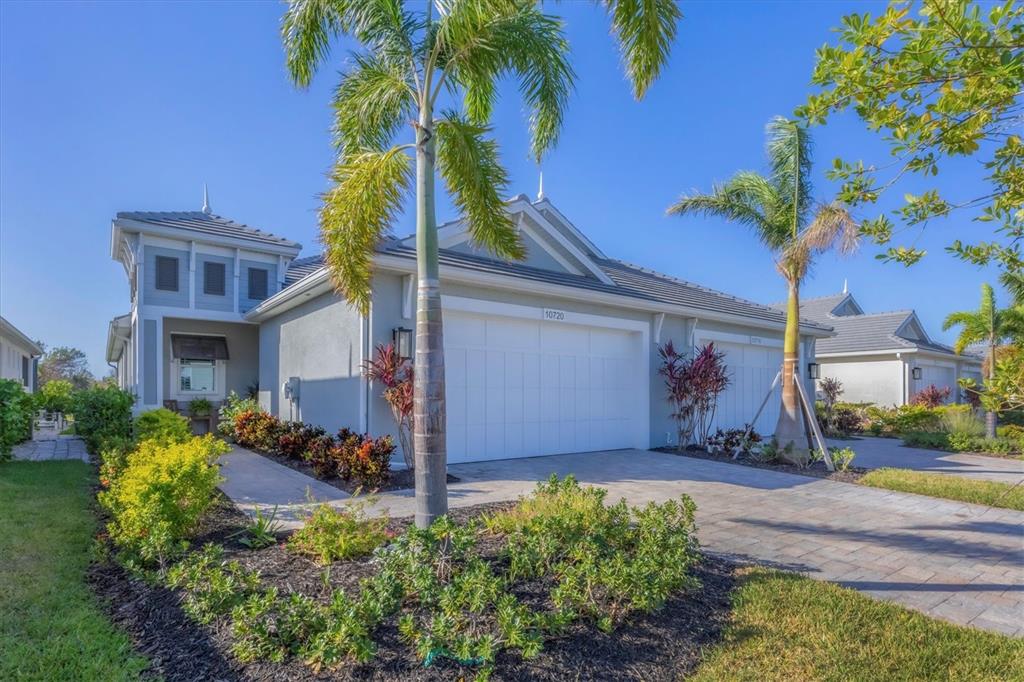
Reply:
x=959, y=562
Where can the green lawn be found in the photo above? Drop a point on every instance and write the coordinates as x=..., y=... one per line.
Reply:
x=787, y=627
x=992, y=493
x=50, y=625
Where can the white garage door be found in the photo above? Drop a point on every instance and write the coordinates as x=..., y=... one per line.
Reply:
x=751, y=369
x=524, y=387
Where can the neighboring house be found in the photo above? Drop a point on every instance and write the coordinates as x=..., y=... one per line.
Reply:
x=554, y=354
x=883, y=358
x=19, y=356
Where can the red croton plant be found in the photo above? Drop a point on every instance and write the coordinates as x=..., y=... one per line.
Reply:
x=395, y=374
x=693, y=386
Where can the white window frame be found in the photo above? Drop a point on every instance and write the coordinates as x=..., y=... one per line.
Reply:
x=219, y=375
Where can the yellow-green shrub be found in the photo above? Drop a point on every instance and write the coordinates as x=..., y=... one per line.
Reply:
x=159, y=497
x=163, y=426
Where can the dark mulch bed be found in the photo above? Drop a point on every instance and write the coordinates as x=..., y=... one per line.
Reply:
x=816, y=470
x=665, y=645
x=403, y=479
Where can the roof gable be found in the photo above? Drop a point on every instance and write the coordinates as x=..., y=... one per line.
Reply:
x=204, y=227
x=551, y=243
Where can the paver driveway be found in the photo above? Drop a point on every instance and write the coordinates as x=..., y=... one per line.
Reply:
x=874, y=453
x=960, y=562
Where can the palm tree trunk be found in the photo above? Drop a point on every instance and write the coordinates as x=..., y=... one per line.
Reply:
x=428, y=390
x=790, y=428
x=991, y=420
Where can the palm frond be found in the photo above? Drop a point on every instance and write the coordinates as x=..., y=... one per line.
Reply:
x=478, y=43
x=645, y=30
x=789, y=155
x=748, y=198
x=1014, y=283
x=832, y=226
x=306, y=30
x=973, y=328
x=366, y=197
x=471, y=168
x=371, y=103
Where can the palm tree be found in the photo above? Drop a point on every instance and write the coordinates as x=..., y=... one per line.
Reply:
x=780, y=210
x=991, y=326
x=409, y=63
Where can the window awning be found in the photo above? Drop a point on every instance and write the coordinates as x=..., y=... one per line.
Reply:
x=199, y=347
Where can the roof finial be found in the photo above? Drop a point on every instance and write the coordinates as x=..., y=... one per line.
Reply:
x=206, y=201
x=540, y=189
x=844, y=285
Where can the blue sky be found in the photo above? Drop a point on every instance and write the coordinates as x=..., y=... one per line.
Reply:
x=117, y=106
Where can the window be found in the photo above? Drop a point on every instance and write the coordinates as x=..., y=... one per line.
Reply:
x=24, y=370
x=197, y=376
x=213, y=279
x=257, y=284
x=166, y=273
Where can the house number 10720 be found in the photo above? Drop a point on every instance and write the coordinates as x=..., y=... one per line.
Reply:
x=554, y=315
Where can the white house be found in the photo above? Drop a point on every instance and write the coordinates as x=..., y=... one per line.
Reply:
x=883, y=358
x=19, y=356
x=554, y=354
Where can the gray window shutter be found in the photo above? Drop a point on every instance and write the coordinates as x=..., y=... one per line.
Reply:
x=166, y=273
x=257, y=284
x=213, y=278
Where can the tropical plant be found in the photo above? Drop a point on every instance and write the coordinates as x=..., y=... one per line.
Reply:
x=460, y=49
x=395, y=374
x=709, y=378
x=200, y=407
x=831, y=388
x=991, y=326
x=365, y=460
x=692, y=386
x=229, y=411
x=931, y=396
x=780, y=209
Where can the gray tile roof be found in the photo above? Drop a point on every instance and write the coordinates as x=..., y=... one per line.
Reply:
x=861, y=333
x=207, y=224
x=629, y=280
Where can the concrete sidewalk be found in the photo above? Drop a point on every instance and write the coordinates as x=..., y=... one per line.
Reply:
x=875, y=453
x=57, y=447
x=959, y=562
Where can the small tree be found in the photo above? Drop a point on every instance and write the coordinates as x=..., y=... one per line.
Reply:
x=831, y=389
x=395, y=374
x=693, y=387
x=65, y=363
x=709, y=379
x=675, y=369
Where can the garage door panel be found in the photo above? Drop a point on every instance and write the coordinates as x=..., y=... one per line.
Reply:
x=751, y=369
x=540, y=388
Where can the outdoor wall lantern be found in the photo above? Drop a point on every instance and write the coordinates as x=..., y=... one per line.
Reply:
x=813, y=370
x=916, y=373
x=402, y=338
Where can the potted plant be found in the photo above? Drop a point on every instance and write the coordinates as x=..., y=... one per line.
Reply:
x=200, y=407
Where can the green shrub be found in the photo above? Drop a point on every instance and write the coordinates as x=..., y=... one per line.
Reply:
x=608, y=560
x=102, y=412
x=331, y=534
x=56, y=395
x=200, y=407
x=842, y=458
x=15, y=416
x=903, y=419
x=212, y=586
x=159, y=497
x=163, y=426
x=961, y=419
x=937, y=440
x=114, y=453
x=229, y=411
x=296, y=439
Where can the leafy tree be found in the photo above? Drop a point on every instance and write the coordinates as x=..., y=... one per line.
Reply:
x=780, y=209
x=69, y=364
x=944, y=83
x=411, y=56
x=991, y=326
x=56, y=396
